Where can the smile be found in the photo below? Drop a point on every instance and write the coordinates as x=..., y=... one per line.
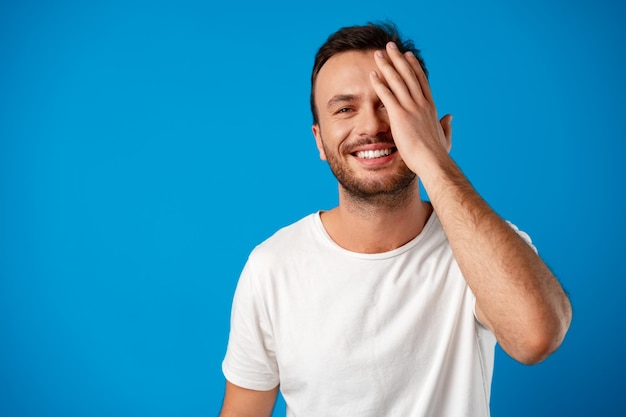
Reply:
x=373, y=154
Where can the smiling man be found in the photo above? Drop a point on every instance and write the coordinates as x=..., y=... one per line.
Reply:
x=386, y=305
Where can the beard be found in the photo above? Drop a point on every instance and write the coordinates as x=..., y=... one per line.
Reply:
x=388, y=190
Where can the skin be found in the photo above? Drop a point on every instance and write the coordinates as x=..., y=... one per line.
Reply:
x=381, y=99
x=242, y=402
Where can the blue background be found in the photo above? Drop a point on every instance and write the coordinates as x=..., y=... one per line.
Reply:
x=146, y=148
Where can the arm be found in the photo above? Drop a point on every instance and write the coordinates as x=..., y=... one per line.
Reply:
x=242, y=402
x=517, y=296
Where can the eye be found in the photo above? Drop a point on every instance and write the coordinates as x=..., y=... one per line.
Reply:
x=344, y=110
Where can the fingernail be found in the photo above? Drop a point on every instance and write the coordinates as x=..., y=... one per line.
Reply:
x=379, y=54
x=393, y=45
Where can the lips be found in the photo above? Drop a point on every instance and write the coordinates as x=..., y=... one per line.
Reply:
x=374, y=153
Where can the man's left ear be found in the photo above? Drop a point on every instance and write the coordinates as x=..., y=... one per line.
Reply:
x=318, y=141
x=446, y=125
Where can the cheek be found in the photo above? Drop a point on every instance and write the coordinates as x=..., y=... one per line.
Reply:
x=336, y=132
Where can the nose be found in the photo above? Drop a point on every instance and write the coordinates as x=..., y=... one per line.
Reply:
x=373, y=121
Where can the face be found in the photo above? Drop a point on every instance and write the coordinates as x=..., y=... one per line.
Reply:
x=353, y=133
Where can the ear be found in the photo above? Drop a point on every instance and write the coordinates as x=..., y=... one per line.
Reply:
x=446, y=125
x=318, y=141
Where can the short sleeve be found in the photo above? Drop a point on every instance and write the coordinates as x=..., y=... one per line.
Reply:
x=250, y=360
x=523, y=235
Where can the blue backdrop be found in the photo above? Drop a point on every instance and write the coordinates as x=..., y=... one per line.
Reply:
x=147, y=147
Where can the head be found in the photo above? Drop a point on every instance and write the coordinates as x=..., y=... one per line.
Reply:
x=351, y=125
x=369, y=37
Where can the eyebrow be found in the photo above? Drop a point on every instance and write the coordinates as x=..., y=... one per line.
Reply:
x=340, y=98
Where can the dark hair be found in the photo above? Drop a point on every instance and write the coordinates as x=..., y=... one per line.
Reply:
x=369, y=37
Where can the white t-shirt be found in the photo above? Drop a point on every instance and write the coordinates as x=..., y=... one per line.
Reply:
x=352, y=335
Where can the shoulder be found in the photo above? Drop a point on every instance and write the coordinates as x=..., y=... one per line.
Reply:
x=295, y=237
x=281, y=256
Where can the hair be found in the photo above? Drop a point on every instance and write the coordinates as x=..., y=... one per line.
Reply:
x=369, y=37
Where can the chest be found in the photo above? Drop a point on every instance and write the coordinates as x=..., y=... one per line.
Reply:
x=352, y=320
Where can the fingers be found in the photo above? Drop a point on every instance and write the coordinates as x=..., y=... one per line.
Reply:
x=398, y=73
x=402, y=86
x=387, y=97
x=419, y=73
x=404, y=75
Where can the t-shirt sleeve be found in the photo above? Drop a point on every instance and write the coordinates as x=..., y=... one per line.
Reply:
x=523, y=235
x=250, y=360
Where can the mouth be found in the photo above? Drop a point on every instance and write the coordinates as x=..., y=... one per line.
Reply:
x=374, y=153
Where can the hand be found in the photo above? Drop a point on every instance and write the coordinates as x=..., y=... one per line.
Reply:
x=402, y=87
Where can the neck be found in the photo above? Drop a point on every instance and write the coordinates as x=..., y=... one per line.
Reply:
x=379, y=224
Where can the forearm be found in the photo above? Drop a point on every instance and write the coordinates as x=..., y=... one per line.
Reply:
x=516, y=294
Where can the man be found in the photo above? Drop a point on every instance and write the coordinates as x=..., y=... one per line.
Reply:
x=386, y=305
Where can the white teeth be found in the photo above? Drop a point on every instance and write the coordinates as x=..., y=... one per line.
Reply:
x=373, y=154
